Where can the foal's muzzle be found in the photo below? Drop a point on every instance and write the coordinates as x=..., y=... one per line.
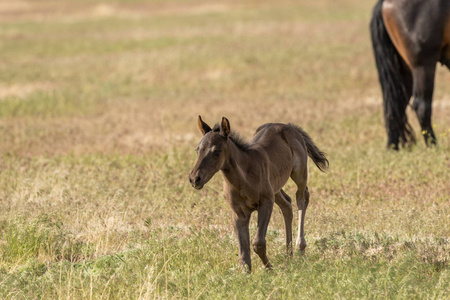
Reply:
x=195, y=181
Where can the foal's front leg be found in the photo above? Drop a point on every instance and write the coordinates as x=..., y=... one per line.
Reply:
x=241, y=223
x=259, y=243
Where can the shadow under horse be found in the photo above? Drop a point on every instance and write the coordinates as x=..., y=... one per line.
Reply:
x=254, y=174
x=408, y=39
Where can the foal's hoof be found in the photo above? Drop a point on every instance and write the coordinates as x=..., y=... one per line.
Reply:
x=246, y=269
x=269, y=266
x=301, y=247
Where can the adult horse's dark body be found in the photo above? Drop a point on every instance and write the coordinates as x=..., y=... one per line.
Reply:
x=254, y=174
x=409, y=37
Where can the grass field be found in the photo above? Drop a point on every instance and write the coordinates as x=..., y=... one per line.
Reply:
x=98, y=108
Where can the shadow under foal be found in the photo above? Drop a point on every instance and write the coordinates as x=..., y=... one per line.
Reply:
x=254, y=174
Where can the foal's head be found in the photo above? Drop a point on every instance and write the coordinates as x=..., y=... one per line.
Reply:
x=211, y=152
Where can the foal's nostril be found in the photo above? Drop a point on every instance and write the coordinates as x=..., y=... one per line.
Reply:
x=197, y=180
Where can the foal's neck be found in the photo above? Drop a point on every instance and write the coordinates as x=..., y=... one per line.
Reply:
x=235, y=165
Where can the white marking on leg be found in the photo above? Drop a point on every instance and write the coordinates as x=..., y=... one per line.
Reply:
x=298, y=240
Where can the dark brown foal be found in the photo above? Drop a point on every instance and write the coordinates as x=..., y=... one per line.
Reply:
x=254, y=174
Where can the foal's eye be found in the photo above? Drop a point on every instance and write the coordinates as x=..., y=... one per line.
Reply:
x=217, y=152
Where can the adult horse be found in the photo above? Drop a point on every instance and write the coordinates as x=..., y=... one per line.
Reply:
x=409, y=37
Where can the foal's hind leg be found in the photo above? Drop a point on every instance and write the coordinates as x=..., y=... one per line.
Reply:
x=284, y=202
x=300, y=176
x=302, y=203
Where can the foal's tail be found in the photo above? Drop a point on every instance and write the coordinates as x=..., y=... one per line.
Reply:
x=317, y=156
x=388, y=62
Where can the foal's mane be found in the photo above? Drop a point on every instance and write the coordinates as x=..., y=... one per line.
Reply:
x=240, y=142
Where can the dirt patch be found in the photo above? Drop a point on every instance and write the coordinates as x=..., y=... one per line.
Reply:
x=22, y=90
x=8, y=7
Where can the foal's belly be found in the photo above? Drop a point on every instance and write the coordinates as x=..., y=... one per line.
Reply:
x=280, y=169
x=280, y=181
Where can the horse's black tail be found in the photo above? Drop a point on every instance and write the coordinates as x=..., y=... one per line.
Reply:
x=389, y=67
x=317, y=156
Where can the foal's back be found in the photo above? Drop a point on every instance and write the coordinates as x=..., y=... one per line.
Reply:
x=273, y=136
x=285, y=149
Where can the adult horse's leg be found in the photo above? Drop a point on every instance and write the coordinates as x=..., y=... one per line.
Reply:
x=423, y=96
x=241, y=224
x=259, y=243
x=284, y=202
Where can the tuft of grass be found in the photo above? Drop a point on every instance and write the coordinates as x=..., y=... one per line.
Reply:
x=172, y=263
x=43, y=239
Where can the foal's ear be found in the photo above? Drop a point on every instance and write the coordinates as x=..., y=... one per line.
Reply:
x=204, y=128
x=225, y=127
